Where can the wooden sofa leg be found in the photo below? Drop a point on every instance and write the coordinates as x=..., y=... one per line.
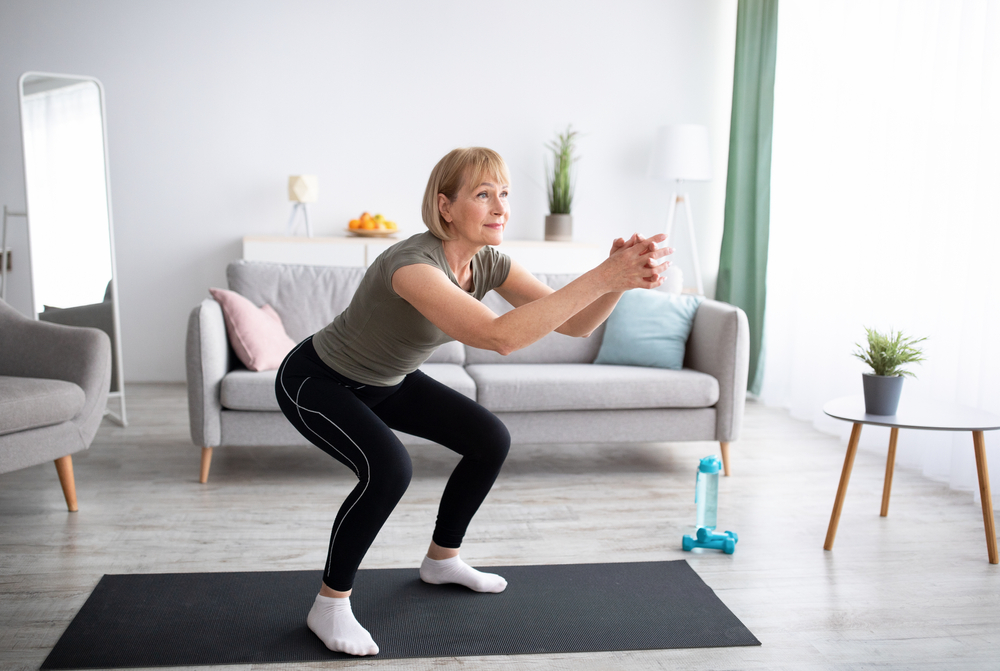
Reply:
x=64, y=467
x=724, y=447
x=206, y=463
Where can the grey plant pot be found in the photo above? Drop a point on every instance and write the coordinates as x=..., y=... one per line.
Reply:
x=559, y=227
x=882, y=393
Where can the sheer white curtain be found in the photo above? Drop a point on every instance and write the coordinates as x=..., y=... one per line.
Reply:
x=64, y=166
x=885, y=211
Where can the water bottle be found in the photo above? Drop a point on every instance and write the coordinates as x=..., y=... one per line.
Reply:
x=706, y=492
x=706, y=497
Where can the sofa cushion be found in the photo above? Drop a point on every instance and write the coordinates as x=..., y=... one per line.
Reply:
x=537, y=387
x=256, y=333
x=648, y=328
x=31, y=403
x=450, y=352
x=553, y=348
x=307, y=298
x=249, y=390
x=453, y=376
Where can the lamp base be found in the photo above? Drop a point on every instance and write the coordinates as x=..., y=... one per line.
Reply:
x=293, y=226
x=683, y=199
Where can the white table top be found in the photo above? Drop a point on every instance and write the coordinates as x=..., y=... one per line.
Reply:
x=936, y=416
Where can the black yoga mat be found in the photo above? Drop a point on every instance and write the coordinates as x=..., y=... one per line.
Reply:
x=175, y=619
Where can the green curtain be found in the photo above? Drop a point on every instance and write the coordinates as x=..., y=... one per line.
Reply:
x=743, y=261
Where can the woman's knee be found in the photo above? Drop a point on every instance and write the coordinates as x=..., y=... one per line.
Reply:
x=391, y=476
x=495, y=443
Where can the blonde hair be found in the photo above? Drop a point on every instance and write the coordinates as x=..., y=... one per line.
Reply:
x=448, y=177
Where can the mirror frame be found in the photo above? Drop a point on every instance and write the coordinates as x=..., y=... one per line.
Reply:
x=119, y=417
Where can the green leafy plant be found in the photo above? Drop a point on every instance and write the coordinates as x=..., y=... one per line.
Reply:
x=559, y=182
x=887, y=353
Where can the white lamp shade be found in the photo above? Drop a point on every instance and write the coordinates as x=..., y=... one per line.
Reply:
x=681, y=152
x=303, y=188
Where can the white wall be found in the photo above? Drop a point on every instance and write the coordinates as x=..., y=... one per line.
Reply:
x=212, y=104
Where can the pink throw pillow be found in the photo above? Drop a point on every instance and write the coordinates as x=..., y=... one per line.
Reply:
x=257, y=334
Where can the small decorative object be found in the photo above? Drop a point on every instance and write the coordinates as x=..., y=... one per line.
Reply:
x=706, y=496
x=302, y=189
x=369, y=226
x=559, y=224
x=681, y=154
x=886, y=354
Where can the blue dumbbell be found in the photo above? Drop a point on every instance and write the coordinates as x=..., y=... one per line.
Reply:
x=708, y=538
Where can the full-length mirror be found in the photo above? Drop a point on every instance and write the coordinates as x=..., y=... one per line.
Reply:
x=68, y=201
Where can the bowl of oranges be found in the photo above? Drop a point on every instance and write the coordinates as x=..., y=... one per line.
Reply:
x=376, y=227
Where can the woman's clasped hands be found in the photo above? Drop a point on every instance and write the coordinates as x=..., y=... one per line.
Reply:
x=632, y=263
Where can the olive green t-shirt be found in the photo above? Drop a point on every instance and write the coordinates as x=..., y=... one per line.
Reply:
x=380, y=338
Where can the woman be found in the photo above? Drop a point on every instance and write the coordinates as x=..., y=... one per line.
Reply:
x=346, y=387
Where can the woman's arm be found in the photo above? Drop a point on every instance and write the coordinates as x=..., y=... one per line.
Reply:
x=467, y=320
x=521, y=287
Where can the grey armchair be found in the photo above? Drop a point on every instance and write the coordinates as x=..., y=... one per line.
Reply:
x=97, y=315
x=54, y=383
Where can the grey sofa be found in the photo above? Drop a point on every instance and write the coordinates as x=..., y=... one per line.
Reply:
x=54, y=383
x=549, y=392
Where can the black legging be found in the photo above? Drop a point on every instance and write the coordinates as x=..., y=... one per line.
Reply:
x=351, y=422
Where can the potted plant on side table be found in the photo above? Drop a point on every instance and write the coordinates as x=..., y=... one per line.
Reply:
x=559, y=224
x=886, y=354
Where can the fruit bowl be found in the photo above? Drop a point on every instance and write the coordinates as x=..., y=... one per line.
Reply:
x=368, y=226
x=373, y=232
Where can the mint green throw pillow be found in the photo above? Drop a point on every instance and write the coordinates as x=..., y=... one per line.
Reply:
x=648, y=328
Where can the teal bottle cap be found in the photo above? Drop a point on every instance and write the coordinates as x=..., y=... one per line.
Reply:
x=710, y=465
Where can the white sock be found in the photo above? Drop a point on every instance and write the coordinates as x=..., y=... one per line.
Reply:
x=333, y=621
x=441, y=571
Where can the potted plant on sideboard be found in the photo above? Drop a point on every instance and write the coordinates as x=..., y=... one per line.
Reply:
x=559, y=182
x=886, y=354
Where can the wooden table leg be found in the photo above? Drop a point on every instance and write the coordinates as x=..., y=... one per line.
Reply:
x=984, y=493
x=845, y=476
x=890, y=462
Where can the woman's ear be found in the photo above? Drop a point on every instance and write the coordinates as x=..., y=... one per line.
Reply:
x=444, y=207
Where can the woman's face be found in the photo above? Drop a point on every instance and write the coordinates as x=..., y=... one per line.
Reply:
x=479, y=213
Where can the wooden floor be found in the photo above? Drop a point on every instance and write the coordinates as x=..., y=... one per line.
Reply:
x=911, y=591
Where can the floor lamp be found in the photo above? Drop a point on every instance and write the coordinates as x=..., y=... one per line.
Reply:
x=302, y=189
x=681, y=154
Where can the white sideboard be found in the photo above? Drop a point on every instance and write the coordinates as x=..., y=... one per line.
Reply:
x=536, y=255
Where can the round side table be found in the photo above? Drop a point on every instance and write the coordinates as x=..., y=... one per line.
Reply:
x=915, y=415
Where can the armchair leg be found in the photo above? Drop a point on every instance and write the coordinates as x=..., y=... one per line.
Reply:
x=206, y=463
x=64, y=467
x=724, y=448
